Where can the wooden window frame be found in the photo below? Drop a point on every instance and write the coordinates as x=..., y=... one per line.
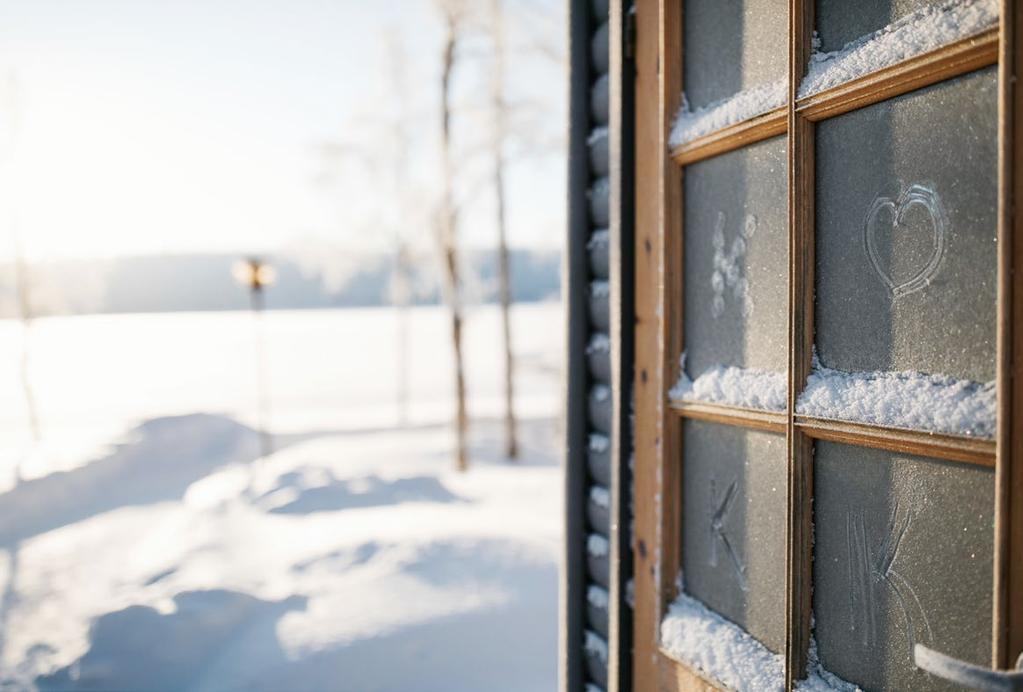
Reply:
x=659, y=338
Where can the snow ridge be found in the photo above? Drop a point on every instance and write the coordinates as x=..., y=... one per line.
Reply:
x=723, y=651
x=919, y=32
x=910, y=400
x=596, y=645
x=746, y=387
x=597, y=597
x=597, y=545
x=598, y=443
x=690, y=125
x=599, y=343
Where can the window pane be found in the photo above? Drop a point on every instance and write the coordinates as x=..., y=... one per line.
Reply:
x=902, y=555
x=733, y=537
x=736, y=267
x=841, y=21
x=906, y=222
x=733, y=45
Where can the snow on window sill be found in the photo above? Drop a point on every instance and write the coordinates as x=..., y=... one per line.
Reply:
x=690, y=124
x=907, y=400
x=719, y=649
x=920, y=32
x=746, y=387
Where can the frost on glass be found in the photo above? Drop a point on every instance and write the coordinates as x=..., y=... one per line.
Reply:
x=736, y=251
x=733, y=540
x=840, y=22
x=888, y=216
x=735, y=64
x=732, y=46
x=906, y=224
x=902, y=555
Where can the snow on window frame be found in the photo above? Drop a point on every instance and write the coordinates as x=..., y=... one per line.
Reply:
x=905, y=400
x=751, y=388
x=919, y=32
x=721, y=650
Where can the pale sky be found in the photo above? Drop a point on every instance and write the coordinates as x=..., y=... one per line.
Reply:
x=167, y=126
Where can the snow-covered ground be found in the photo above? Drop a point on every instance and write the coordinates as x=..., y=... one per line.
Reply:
x=95, y=377
x=352, y=558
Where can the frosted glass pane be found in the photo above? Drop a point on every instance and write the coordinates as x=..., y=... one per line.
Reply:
x=902, y=554
x=906, y=223
x=736, y=266
x=733, y=45
x=842, y=21
x=733, y=535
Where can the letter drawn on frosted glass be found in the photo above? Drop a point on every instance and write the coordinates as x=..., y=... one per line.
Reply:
x=728, y=268
x=722, y=503
x=887, y=216
x=872, y=571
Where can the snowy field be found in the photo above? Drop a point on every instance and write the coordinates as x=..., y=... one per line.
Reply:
x=148, y=546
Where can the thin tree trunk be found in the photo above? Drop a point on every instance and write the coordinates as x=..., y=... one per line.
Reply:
x=511, y=436
x=461, y=417
x=449, y=245
x=504, y=272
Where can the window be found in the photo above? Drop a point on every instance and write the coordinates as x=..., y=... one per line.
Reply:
x=825, y=476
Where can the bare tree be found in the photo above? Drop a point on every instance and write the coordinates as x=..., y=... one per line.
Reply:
x=447, y=231
x=504, y=271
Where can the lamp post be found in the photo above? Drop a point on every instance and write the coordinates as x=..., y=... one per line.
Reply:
x=257, y=275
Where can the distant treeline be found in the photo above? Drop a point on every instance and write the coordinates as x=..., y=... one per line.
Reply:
x=178, y=283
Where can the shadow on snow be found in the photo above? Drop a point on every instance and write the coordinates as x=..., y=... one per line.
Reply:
x=163, y=457
x=338, y=494
x=228, y=640
x=138, y=648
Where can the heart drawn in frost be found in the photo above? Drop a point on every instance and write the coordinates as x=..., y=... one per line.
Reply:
x=915, y=195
